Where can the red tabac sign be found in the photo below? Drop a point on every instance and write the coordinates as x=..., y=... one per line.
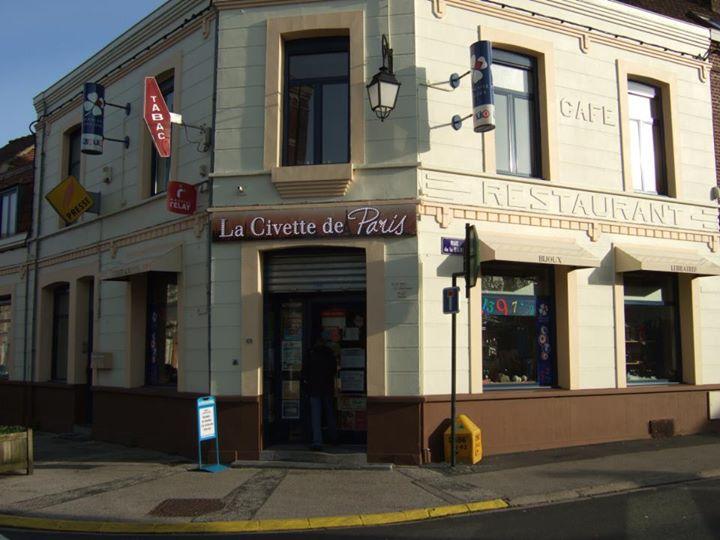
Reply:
x=157, y=117
x=356, y=221
x=181, y=198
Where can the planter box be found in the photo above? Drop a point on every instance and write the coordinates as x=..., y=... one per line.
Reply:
x=16, y=451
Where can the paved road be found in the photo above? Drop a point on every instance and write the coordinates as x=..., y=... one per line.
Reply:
x=680, y=511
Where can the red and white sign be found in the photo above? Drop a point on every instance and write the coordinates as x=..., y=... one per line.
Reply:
x=157, y=117
x=181, y=198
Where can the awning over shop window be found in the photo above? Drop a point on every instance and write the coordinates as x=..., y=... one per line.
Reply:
x=653, y=259
x=536, y=249
x=167, y=261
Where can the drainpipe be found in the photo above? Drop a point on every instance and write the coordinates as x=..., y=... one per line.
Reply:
x=36, y=255
x=210, y=201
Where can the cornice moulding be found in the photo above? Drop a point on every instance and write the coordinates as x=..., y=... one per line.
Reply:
x=120, y=49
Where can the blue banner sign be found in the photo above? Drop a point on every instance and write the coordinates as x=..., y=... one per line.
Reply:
x=452, y=246
x=91, y=140
x=482, y=86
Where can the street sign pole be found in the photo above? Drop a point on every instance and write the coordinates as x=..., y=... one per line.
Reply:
x=471, y=264
x=453, y=383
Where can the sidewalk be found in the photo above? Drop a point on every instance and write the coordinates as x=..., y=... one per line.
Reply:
x=114, y=486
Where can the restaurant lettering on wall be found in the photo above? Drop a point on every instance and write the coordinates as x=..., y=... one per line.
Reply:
x=360, y=221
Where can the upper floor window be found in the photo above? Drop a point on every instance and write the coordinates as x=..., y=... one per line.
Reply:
x=8, y=212
x=316, y=124
x=517, y=139
x=73, y=153
x=160, y=167
x=647, y=159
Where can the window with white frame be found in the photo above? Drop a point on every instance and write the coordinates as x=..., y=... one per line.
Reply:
x=8, y=212
x=517, y=135
x=647, y=156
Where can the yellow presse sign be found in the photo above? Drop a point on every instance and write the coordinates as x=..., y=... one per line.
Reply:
x=69, y=199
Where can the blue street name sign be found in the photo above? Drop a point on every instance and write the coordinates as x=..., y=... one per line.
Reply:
x=452, y=246
x=207, y=430
x=451, y=300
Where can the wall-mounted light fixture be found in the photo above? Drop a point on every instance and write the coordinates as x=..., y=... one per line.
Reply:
x=384, y=87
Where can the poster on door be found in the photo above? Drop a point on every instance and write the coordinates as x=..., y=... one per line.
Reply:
x=291, y=321
x=352, y=358
x=352, y=380
x=332, y=322
x=291, y=355
x=291, y=409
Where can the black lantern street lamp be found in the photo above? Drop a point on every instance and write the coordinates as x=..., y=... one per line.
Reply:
x=383, y=89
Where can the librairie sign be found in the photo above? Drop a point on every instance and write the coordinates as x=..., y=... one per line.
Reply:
x=157, y=117
x=356, y=221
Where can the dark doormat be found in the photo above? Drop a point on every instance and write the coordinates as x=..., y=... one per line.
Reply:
x=187, y=507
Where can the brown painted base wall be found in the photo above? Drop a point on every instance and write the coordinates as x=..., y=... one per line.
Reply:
x=52, y=407
x=394, y=430
x=534, y=420
x=167, y=421
x=403, y=430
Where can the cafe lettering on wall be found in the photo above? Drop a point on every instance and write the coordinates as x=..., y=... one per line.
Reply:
x=357, y=221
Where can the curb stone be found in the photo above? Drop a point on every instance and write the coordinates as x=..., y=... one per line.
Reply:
x=267, y=525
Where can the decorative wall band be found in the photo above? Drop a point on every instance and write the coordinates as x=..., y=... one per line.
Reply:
x=444, y=215
x=114, y=77
x=586, y=38
x=197, y=223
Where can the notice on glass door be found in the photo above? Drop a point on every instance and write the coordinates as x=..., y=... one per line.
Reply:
x=291, y=352
x=290, y=409
x=352, y=380
x=352, y=358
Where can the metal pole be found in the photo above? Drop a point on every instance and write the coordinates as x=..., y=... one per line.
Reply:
x=453, y=395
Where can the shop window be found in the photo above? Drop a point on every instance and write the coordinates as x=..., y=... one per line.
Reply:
x=73, y=153
x=8, y=212
x=160, y=167
x=646, y=138
x=517, y=133
x=5, y=327
x=60, y=335
x=316, y=124
x=651, y=328
x=161, y=359
x=518, y=325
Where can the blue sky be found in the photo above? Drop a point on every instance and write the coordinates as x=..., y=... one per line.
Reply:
x=41, y=40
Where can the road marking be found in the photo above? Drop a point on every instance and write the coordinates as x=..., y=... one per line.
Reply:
x=266, y=525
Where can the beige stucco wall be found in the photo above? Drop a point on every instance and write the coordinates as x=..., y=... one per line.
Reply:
x=584, y=194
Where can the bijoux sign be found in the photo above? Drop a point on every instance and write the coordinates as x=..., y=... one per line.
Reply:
x=157, y=117
x=361, y=221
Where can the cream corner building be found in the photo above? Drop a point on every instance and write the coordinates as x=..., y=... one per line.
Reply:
x=595, y=313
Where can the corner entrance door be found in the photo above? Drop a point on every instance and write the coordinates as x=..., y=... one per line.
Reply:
x=293, y=322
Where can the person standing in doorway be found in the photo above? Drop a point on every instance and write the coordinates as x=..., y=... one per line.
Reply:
x=320, y=379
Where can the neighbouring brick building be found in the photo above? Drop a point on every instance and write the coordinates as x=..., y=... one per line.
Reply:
x=16, y=190
x=16, y=176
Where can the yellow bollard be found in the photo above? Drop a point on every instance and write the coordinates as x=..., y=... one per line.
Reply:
x=468, y=441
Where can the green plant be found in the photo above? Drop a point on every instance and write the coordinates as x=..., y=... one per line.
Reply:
x=4, y=430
